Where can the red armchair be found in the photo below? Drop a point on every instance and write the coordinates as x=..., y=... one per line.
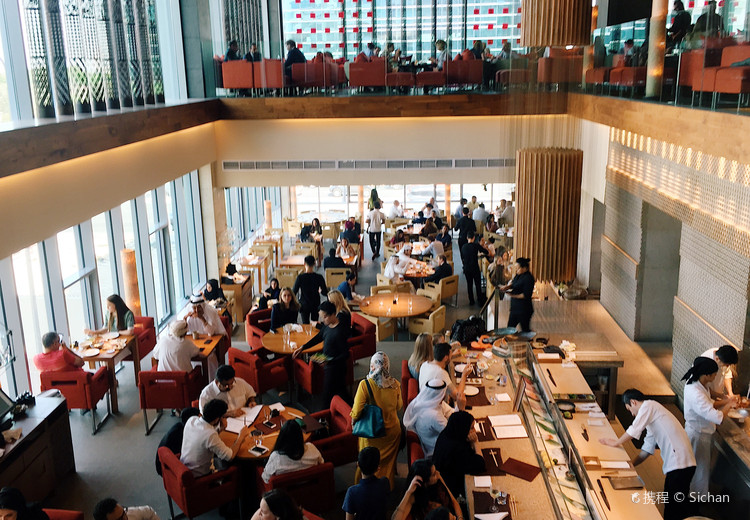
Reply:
x=167, y=390
x=262, y=376
x=145, y=334
x=195, y=496
x=413, y=447
x=268, y=74
x=63, y=514
x=82, y=390
x=430, y=78
x=405, y=377
x=309, y=375
x=367, y=74
x=464, y=72
x=341, y=446
x=312, y=488
x=237, y=74
x=257, y=324
x=412, y=391
x=362, y=343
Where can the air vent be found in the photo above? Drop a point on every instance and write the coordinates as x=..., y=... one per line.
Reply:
x=376, y=164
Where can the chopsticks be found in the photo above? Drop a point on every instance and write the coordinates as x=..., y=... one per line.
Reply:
x=513, y=507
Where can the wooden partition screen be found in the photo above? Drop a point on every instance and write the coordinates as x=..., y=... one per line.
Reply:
x=555, y=23
x=548, y=188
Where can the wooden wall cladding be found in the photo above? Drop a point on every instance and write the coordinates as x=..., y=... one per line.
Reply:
x=555, y=23
x=548, y=188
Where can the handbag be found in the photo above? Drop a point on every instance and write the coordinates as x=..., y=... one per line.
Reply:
x=370, y=424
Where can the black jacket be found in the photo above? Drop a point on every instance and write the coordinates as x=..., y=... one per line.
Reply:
x=470, y=256
x=464, y=225
x=442, y=271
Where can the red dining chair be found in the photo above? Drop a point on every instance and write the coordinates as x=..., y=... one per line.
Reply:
x=262, y=376
x=196, y=495
x=412, y=391
x=309, y=516
x=341, y=446
x=145, y=333
x=257, y=325
x=309, y=375
x=405, y=377
x=167, y=391
x=312, y=488
x=82, y=390
x=362, y=343
x=63, y=514
x=413, y=447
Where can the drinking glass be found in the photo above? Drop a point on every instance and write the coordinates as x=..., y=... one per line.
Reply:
x=258, y=436
x=266, y=413
x=495, y=494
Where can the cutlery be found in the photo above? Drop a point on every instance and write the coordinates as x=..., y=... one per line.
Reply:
x=584, y=432
x=481, y=427
x=552, y=379
x=604, y=495
x=492, y=452
x=513, y=507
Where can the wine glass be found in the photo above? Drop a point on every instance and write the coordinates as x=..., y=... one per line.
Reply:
x=495, y=494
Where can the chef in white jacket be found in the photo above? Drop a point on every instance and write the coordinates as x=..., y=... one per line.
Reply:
x=701, y=417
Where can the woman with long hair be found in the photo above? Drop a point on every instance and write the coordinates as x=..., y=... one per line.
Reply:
x=381, y=389
x=398, y=238
x=373, y=199
x=425, y=491
x=316, y=232
x=213, y=291
x=117, y=319
x=345, y=249
x=278, y=505
x=701, y=417
x=456, y=452
x=272, y=293
x=422, y=352
x=343, y=312
x=291, y=452
x=285, y=310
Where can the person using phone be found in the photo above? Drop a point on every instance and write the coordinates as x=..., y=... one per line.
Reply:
x=291, y=452
x=201, y=441
x=426, y=491
x=234, y=391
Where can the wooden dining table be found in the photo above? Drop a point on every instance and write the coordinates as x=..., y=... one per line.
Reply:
x=269, y=439
x=275, y=341
x=109, y=354
x=277, y=241
x=208, y=345
x=259, y=263
x=395, y=305
x=299, y=261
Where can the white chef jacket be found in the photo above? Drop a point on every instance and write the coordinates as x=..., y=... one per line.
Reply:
x=663, y=430
x=700, y=414
x=717, y=385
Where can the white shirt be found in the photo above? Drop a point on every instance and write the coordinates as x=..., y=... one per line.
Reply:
x=396, y=211
x=174, y=354
x=235, y=398
x=213, y=323
x=394, y=270
x=278, y=464
x=718, y=385
x=427, y=415
x=663, y=430
x=375, y=218
x=435, y=249
x=200, y=442
x=429, y=371
x=700, y=414
x=141, y=513
x=480, y=214
x=508, y=215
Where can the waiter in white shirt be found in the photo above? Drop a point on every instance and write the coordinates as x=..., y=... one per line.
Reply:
x=662, y=430
x=725, y=356
x=701, y=417
x=174, y=351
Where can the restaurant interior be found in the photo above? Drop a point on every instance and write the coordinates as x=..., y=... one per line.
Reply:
x=136, y=159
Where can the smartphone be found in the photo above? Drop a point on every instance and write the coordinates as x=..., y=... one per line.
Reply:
x=258, y=450
x=269, y=424
x=207, y=342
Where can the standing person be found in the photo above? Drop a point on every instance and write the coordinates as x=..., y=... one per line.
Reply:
x=459, y=212
x=508, y=216
x=726, y=357
x=472, y=205
x=680, y=24
x=56, y=356
x=118, y=318
x=309, y=285
x=470, y=258
x=380, y=389
x=373, y=199
x=368, y=499
x=662, y=430
x=336, y=349
x=520, y=290
x=293, y=55
x=285, y=310
x=174, y=351
x=375, y=219
x=456, y=452
x=701, y=417
x=464, y=225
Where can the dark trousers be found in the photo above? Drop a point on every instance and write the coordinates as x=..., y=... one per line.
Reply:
x=334, y=383
x=375, y=238
x=677, y=482
x=523, y=317
x=475, y=278
x=308, y=312
x=461, y=242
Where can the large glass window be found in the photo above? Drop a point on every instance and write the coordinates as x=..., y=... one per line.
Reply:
x=4, y=97
x=106, y=265
x=77, y=306
x=128, y=224
x=69, y=251
x=175, y=242
x=193, y=223
x=161, y=277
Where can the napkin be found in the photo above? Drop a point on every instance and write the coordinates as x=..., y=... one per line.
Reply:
x=483, y=481
x=277, y=406
x=595, y=422
x=597, y=414
x=502, y=398
x=510, y=432
x=487, y=354
x=504, y=420
x=491, y=516
x=615, y=464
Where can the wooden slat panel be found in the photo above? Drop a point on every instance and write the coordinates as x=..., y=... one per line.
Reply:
x=548, y=187
x=555, y=23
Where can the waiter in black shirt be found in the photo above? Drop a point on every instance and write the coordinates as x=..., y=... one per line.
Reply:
x=470, y=258
x=334, y=336
x=309, y=285
x=464, y=225
x=520, y=289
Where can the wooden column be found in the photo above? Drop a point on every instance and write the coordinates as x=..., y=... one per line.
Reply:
x=130, y=280
x=361, y=204
x=268, y=212
x=548, y=188
x=555, y=23
x=447, y=201
x=656, y=45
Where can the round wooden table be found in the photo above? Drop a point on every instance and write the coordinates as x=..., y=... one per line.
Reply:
x=372, y=305
x=269, y=439
x=275, y=342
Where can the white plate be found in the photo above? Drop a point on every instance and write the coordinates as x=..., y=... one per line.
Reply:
x=89, y=352
x=471, y=390
x=109, y=351
x=110, y=335
x=460, y=367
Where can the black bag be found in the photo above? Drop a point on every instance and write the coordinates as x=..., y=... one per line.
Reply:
x=466, y=331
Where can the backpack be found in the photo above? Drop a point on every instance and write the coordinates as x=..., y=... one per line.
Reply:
x=466, y=331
